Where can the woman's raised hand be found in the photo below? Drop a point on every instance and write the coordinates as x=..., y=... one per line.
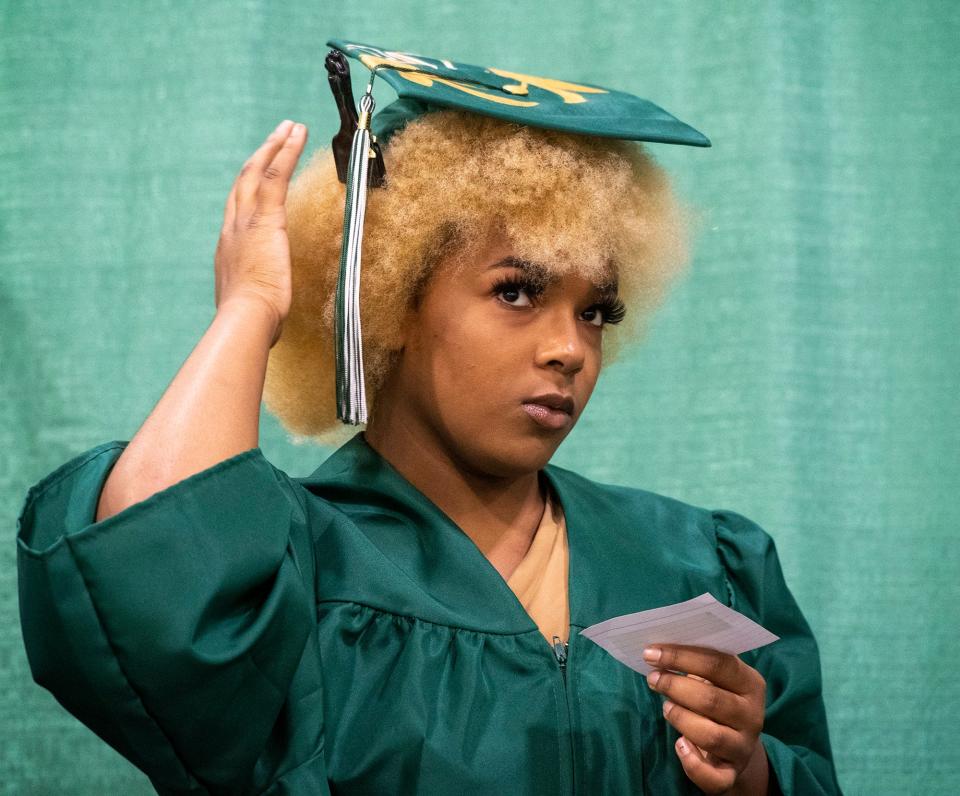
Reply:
x=252, y=261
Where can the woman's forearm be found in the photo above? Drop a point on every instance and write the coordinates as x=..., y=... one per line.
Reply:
x=210, y=411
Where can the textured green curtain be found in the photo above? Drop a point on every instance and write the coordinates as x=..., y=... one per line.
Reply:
x=804, y=373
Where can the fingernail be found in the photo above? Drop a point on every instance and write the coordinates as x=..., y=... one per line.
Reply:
x=667, y=707
x=280, y=127
x=651, y=654
x=298, y=129
x=653, y=677
x=682, y=747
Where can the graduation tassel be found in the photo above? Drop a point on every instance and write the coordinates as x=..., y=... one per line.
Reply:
x=351, y=395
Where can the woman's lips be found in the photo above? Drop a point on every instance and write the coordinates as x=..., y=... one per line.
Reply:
x=548, y=417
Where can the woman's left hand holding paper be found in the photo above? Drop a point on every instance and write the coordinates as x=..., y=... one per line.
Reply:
x=718, y=708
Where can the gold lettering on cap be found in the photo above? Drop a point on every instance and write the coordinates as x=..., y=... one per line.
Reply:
x=466, y=88
x=403, y=68
x=568, y=92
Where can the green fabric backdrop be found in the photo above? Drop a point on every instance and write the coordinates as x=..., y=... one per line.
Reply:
x=804, y=373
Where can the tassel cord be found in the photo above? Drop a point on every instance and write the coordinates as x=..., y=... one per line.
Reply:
x=351, y=392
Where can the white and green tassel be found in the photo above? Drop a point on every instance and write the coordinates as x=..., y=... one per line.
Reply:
x=351, y=394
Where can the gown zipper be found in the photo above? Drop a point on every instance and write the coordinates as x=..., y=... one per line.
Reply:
x=560, y=652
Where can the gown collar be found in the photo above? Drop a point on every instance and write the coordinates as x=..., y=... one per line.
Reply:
x=448, y=563
x=608, y=540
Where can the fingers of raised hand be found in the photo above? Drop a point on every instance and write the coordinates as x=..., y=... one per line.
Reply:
x=706, y=772
x=261, y=185
x=725, y=670
x=276, y=176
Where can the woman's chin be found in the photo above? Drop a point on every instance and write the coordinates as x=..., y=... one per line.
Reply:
x=514, y=457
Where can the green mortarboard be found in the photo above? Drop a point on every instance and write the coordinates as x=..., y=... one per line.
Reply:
x=426, y=84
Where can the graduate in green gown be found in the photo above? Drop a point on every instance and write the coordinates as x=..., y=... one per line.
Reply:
x=405, y=619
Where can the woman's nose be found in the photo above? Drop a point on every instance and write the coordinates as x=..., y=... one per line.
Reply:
x=560, y=343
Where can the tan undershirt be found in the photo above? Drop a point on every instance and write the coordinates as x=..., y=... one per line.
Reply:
x=540, y=580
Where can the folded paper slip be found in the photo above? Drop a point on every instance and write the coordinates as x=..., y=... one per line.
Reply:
x=700, y=622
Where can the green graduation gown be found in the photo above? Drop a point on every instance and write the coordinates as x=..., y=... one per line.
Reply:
x=244, y=632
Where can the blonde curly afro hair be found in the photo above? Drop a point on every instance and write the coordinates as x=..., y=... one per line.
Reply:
x=601, y=208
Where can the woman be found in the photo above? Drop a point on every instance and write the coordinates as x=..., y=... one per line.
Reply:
x=406, y=618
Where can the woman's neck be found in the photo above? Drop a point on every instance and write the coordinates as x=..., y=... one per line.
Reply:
x=499, y=514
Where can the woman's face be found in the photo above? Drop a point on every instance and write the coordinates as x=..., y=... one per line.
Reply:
x=497, y=362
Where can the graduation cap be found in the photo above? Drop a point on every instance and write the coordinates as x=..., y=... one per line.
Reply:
x=426, y=84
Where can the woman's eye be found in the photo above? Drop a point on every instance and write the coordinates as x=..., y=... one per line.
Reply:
x=515, y=296
x=594, y=316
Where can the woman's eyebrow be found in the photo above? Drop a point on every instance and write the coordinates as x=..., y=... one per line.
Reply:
x=609, y=290
x=536, y=271
x=539, y=274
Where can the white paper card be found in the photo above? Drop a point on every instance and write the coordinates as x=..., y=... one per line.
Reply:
x=700, y=622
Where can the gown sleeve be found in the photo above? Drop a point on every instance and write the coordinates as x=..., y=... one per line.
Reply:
x=795, y=733
x=172, y=629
